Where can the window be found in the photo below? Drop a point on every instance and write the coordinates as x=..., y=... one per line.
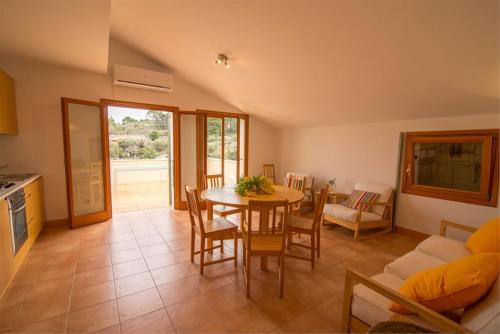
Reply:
x=453, y=165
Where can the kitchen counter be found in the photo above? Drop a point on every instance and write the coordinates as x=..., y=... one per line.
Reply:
x=19, y=185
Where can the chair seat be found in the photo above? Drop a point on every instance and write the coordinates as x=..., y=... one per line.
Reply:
x=266, y=243
x=225, y=210
x=343, y=212
x=300, y=222
x=219, y=225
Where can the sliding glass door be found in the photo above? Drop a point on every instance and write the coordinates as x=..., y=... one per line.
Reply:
x=225, y=142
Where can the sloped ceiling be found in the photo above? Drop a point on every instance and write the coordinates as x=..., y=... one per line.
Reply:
x=293, y=62
x=72, y=33
x=318, y=62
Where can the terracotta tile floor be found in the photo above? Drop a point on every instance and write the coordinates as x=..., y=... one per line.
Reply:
x=133, y=275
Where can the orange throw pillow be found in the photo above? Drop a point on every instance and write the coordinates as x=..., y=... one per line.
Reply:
x=452, y=286
x=486, y=238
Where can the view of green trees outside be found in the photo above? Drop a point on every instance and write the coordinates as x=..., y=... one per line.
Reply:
x=214, y=134
x=139, y=138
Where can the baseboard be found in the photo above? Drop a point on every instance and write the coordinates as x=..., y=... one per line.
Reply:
x=411, y=233
x=57, y=222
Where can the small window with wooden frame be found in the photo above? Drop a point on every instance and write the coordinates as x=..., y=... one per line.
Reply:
x=459, y=166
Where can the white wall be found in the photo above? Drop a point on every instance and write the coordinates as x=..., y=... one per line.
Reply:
x=369, y=152
x=39, y=145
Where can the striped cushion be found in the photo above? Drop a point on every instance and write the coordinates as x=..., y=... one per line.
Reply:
x=357, y=197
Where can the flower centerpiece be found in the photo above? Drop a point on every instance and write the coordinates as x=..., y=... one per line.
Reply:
x=252, y=185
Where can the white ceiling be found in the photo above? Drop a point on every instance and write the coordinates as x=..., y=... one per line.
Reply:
x=73, y=33
x=294, y=62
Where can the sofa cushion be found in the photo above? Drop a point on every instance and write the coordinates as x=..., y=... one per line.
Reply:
x=343, y=212
x=444, y=248
x=358, y=197
x=371, y=307
x=453, y=285
x=484, y=316
x=486, y=238
x=384, y=191
x=411, y=263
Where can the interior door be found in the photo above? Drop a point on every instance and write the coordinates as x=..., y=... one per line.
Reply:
x=85, y=147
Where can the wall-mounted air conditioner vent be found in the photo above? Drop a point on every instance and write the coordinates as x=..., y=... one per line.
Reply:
x=134, y=77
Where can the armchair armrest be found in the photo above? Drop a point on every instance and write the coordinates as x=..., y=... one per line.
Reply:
x=353, y=277
x=445, y=224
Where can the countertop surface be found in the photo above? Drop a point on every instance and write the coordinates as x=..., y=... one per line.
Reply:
x=19, y=185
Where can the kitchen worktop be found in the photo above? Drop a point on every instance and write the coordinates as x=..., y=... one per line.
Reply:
x=18, y=184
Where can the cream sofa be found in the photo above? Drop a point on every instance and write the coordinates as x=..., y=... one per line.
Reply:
x=366, y=300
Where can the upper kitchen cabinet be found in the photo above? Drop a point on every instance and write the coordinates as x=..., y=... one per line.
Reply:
x=8, y=119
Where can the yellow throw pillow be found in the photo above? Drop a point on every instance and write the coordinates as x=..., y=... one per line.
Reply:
x=486, y=238
x=453, y=285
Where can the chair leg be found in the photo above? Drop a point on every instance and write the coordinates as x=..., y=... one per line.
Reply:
x=313, y=249
x=318, y=238
x=282, y=276
x=248, y=268
x=356, y=232
x=235, y=249
x=202, y=255
x=222, y=245
x=193, y=235
x=289, y=240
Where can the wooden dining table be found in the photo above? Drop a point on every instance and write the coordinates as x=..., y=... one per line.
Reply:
x=229, y=197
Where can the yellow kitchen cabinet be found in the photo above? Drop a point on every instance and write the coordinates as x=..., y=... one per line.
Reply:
x=35, y=218
x=8, y=118
x=6, y=259
x=35, y=214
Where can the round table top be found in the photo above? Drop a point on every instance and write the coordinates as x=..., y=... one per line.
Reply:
x=227, y=196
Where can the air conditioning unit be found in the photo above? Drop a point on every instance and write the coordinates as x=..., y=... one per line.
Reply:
x=135, y=77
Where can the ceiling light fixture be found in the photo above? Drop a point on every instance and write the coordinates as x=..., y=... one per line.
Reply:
x=222, y=59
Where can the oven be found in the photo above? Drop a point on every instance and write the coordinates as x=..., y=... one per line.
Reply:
x=18, y=223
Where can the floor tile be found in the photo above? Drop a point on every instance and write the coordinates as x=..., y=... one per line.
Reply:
x=179, y=290
x=92, y=277
x=51, y=325
x=92, y=295
x=182, y=314
x=161, y=260
x=168, y=274
x=159, y=248
x=138, y=304
x=129, y=268
x=156, y=322
x=93, y=318
x=123, y=245
x=125, y=256
x=134, y=283
x=50, y=287
x=92, y=263
x=45, y=308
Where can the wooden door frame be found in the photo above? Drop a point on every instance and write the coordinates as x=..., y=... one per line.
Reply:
x=105, y=103
x=91, y=218
x=222, y=115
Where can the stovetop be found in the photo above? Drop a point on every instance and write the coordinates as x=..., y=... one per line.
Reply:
x=4, y=185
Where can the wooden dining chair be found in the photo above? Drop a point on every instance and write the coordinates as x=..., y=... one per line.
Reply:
x=307, y=226
x=261, y=241
x=268, y=171
x=295, y=182
x=216, y=229
x=217, y=181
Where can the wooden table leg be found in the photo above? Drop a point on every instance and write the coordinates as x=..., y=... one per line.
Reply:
x=210, y=216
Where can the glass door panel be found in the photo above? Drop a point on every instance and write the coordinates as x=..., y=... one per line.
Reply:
x=242, y=153
x=214, y=146
x=187, y=152
x=86, y=175
x=230, y=150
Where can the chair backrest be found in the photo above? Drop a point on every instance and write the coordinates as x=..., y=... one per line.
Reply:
x=267, y=213
x=193, y=203
x=320, y=205
x=268, y=171
x=213, y=181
